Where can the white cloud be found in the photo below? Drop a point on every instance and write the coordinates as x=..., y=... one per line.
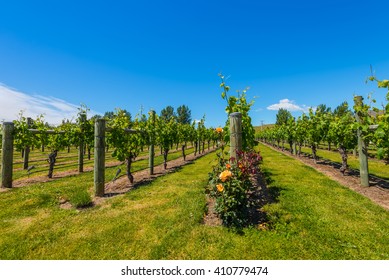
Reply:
x=289, y=105
x=53, y=109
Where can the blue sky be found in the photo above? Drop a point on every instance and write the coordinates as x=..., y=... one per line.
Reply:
x=56, y=55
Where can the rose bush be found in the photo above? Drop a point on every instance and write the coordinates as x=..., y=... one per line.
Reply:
x=229, y=184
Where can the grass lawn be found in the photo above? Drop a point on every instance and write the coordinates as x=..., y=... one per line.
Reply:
x=312, y=218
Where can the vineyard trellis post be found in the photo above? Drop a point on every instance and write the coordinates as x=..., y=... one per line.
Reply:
x=81, y=146
x=362, y=148
x=99, y=164
x=152, y=139
x=235, y=133
x=26, y=153
x=7, y=155
x=294, y=148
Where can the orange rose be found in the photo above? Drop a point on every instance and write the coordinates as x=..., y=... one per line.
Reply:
x=228, y=166
x=220, y=187
x=219, y=130
x=225, y=175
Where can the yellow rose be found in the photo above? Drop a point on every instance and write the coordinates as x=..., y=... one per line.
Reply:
x=220, y=187
x=225, y=175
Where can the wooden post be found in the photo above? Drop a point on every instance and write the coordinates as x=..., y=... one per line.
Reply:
x=355, y=154
x=7, y=155
x=27, y=148
x=235, y=133
x=99, y=167
x=81, y=147
x=151, y=148
x=362, y=149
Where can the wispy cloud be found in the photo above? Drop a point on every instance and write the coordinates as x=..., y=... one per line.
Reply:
x=289, y=105
x=54, y=110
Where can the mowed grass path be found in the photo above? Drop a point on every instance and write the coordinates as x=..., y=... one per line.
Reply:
x=312, y=218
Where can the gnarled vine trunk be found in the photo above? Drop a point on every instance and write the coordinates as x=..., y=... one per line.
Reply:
x=291, y=147
x=52, y=159
x=343, y=152
x=165, y=153
x=195, y=144
x=183, y=151
x=129, y=174
x=313, y=147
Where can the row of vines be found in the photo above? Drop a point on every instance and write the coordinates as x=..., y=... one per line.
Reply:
x=150, y=129
x=340, y=128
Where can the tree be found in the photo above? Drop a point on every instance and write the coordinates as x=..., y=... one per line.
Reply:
x=323, y=108
x=97, y=116
x=342, y=109
x=184, y=114
x=168, y=113
x=283, y=116
x=108, y=115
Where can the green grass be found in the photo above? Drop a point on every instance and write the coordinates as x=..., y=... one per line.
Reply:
x=312, y=218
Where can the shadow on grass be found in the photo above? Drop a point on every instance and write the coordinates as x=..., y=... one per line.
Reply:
x=261, y=196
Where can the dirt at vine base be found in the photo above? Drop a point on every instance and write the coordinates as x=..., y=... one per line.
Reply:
x=378, y=191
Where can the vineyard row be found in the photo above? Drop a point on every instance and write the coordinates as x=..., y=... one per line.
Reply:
x=346, y=129
x=125, y=138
